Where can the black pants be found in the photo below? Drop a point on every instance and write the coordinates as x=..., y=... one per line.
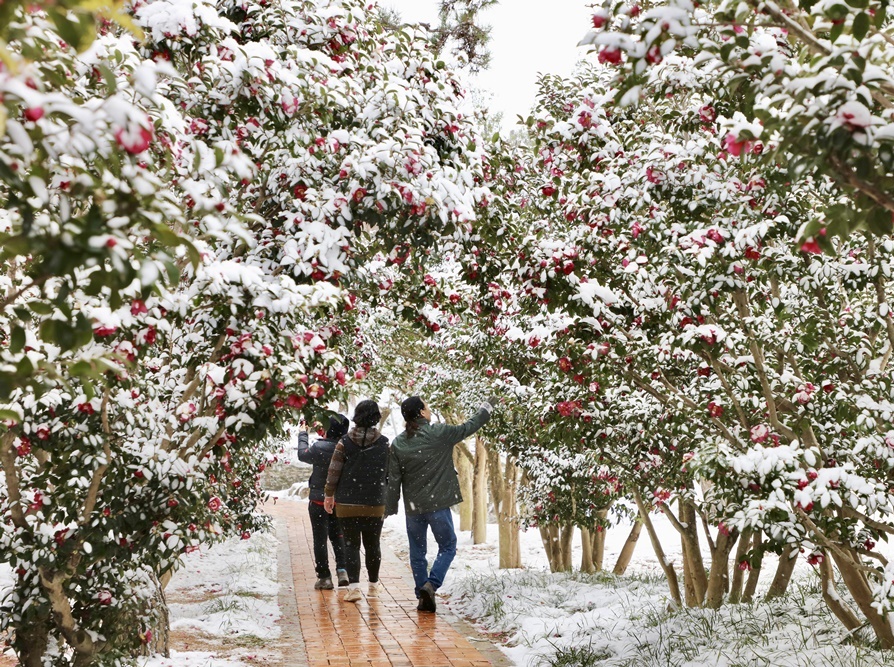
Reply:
x=367, y=529
x=326, y=528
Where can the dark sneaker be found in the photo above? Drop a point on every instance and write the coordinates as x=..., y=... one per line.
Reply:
x=342, y=578
x=324, y=584
x=427, y=600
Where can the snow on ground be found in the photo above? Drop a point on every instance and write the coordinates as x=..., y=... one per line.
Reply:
x=226, y=592
x=581, y=620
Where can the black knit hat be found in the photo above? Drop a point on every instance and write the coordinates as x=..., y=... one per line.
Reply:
x=338, y=426
x=367, y=414
x=411, y=408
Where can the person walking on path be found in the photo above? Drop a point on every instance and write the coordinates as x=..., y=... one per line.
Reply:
x=421, y=462
x=324, y=526
x=355, y=489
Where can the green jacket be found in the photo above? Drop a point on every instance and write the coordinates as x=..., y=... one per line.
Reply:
x=423, y=465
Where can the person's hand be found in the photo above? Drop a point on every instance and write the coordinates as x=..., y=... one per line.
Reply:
x=490, y=403
x=329, y=504
x=305, y=427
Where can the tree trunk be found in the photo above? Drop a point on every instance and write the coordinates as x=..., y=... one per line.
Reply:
x=859, y=588
x=836, y=605
x=507, y=517
x=31, y=646
x=479, y=493
x=718, y=581
x=464, y=473
x=757, y=562
x=586, y=557
x=735, y=589
x=666, y=566
x=627, y=551
x=549, y=535
x=597, y=536
x=692, y=554
x=784, y=570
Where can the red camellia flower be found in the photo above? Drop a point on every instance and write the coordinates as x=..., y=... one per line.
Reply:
x=34, y=113
x=246, y=535
x=86, y=408
x=707, y=114
x=653, y=55
x=611, y=55
x=733, y=146
x=104, y=597
x=715, y=410
x=215, y=504
x=599, y=20
x=138, y=307
x=548, y=191
x=295, y=401
x=24, y=448
x=134, y=141
x=358, y=195
x=315, y=391
x=565, y=364
x=105, y=330
x=815, y=559
x=811, y=246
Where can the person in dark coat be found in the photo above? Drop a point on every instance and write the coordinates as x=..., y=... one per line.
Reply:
x=421, y=463
x=324, y=526
x=355, y=489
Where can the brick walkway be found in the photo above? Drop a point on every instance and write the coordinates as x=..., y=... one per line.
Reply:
x=383, y=632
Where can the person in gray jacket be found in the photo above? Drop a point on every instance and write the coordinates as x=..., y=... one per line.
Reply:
x=421, y=465
x=324, y=526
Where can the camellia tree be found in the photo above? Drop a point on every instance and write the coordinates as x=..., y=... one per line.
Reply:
x=269, y=151
x=813, y=79
x=728, y=376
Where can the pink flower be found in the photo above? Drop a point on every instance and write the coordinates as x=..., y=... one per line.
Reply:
x=134, y=141
x=138, y=307
x=599, y=20
x=733, y=146
x=759, y=433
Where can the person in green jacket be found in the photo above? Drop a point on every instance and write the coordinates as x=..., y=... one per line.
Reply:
x=421, y=463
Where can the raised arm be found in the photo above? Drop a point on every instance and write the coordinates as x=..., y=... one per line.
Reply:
x=448, y=435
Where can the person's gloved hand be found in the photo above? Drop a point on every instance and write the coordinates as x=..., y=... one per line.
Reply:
x=491, y=402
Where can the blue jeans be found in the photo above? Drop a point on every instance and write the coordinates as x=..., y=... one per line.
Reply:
x=441, y=523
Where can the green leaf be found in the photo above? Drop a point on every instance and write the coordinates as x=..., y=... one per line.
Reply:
x=861, y=26
x=879, y=221
x=41, y=307
x=10, y=415
x=17, y=340
x=836, y=31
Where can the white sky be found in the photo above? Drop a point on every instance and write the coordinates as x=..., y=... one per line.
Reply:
x=528, y=37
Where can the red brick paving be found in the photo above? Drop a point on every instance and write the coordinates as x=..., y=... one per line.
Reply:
x=375, y=632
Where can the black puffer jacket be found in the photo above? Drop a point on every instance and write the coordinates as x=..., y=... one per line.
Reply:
x=318, y=455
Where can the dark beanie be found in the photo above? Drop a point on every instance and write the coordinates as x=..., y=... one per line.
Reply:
x=366, y=414
x=411, y=408
x=338, y=426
